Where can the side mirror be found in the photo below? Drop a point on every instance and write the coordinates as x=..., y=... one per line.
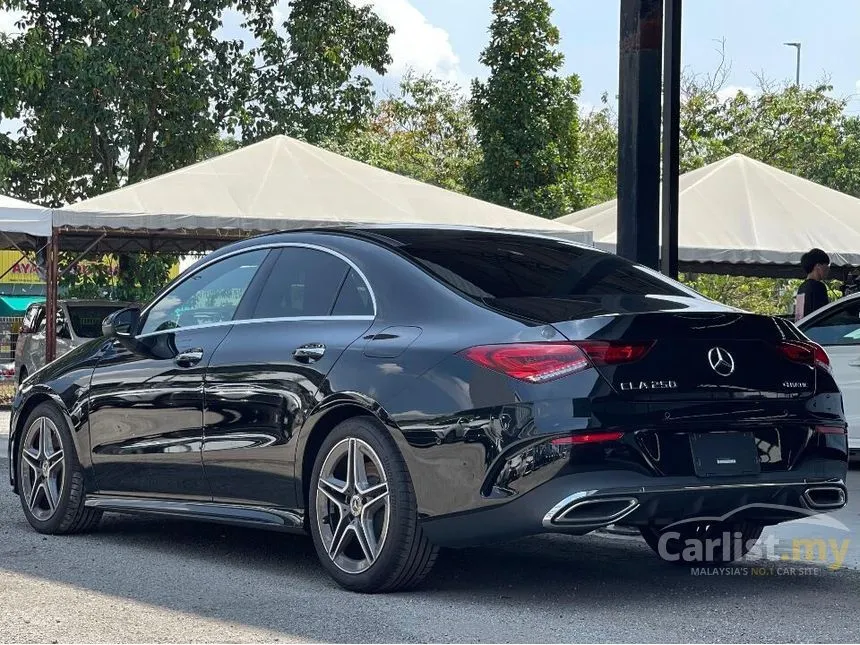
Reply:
x=121, y=324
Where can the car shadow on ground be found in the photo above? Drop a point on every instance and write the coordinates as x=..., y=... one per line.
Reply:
x=519, y=569
x=247, y=576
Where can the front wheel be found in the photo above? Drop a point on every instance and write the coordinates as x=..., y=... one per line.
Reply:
x=698, y=543
x=50, y=477
x=363, y=512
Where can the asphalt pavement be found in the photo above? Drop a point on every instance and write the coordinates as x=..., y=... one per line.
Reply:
x=145, y=580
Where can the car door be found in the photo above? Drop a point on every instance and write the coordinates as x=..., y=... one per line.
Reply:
x=270, y=372
x=838, y=330
x=146, y=395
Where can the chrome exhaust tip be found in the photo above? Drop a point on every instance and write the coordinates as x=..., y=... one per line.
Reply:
x=824, y=497
x=579, y=510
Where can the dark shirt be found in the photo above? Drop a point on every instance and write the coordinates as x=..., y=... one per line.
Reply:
x=811, y=295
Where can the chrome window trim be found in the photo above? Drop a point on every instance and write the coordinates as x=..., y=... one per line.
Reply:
x=259, y=247
x=254, y=321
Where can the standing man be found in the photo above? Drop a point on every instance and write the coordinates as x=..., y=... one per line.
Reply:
x=812, y=294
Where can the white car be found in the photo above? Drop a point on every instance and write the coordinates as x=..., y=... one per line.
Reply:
x=837, y=328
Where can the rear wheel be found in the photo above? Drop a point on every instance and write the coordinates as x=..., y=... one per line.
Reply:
x=50, y=477
x=702, y=543
x=363, y=512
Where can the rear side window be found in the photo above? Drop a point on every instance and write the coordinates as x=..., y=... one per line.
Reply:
x=304, y=282
x=354, y=298
x=488, y=266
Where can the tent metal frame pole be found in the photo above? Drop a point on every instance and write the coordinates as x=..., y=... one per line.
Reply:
x=51, y=296
x=671, y=136
x=82, y=255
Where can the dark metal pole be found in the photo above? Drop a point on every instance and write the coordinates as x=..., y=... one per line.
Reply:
x=640, y=71
x=671, y=135
x=51, y=294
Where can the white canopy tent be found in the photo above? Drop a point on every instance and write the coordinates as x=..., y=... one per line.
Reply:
x=742, y=216
x=20, y=220
x=279, y=184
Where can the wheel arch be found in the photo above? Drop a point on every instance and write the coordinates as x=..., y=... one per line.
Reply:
x=325, y=418
x=30, y=403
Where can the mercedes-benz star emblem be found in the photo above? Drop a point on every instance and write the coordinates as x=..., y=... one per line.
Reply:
x=721, y=361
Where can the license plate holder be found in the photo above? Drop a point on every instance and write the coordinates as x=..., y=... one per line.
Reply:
x=724, y=454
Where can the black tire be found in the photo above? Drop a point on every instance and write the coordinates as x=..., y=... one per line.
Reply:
x=701, y=544
x=70, y=515
x=406, y=556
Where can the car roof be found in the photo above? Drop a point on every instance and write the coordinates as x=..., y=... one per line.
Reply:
x=827, y=308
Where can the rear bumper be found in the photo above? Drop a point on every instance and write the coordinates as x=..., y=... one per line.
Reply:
x=580, y=503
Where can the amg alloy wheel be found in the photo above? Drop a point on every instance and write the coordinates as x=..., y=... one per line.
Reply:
x=352, y=505
x=50, y=477
x=43, y=472
x=363, y=512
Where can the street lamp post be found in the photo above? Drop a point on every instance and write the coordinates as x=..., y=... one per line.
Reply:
x=797, y=74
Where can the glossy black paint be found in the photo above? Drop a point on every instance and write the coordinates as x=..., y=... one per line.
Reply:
x=233, y=437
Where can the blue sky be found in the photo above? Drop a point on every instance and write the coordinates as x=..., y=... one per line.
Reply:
x=454, y=32
x=445, y=37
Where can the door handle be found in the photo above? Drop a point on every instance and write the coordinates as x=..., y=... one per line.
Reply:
x=854, y=364
x=309, y=353
x=189, y=358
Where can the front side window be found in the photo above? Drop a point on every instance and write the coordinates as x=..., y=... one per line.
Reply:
x=311, y=283
x=841, y=327
x=211, y=295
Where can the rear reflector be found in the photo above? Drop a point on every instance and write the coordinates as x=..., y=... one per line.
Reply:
x=831, y=430
x=805, y=352
x=542, y=362
x=591, y=437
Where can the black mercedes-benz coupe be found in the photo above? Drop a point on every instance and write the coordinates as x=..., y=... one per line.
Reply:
x=391, y=390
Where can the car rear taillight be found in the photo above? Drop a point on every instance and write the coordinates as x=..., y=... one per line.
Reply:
x=805, y=352
x=542, y=362
x=588, y=437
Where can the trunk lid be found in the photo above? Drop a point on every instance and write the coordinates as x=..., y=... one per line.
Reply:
x=702, y=355
x=702, y=350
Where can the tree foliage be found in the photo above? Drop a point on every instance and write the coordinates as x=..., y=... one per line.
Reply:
x=424, y=131
x=526, y=114
x=597, y=163
x=805, y=131
x=114, y=91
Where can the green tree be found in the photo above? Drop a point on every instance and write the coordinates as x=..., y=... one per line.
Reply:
x=804, y=131
x=305, y=84
x=114, y=91
x=526, y=114
x=597, y=166
x=424, y=131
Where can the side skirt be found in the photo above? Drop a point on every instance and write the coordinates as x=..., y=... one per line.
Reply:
x=291, y=521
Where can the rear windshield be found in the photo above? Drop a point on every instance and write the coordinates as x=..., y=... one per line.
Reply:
x=498, y=266
x=87, y=320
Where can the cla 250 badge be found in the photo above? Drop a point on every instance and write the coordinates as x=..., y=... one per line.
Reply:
x=639, y=386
